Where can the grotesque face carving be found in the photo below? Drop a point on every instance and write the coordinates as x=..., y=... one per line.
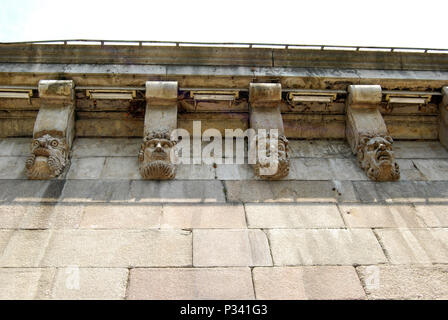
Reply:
x=48, y=157
x=268, y=167
x=155, y=156
x=376, y=157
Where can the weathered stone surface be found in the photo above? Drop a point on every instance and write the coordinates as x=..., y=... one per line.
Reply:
x=117, y=248
x=195, y=172
x=290, y=191
x=56, y=89
x=86, y=168
x=105, y=147
x=380, y=216
x=40, y=216
x=230, y=248
x=419, y=150
x=121, y=168
x=177, y=191
x=409, y=171
x=324, y=247
x=121, y=216
x=236, y=172
x=320, y=282
x=409, y=246
x=402, y=191
x=433, y=169
x=191, y=283
x=197, y=216
x=403, y=282
x=11, y=147
x=30, y=191
x=319, y=149
x=326, y=169
x=95, y=191
x=25, y=283
x=93, y=283
x=12, y=168
x=23, y=248
x=281, y=215
x=433, y=215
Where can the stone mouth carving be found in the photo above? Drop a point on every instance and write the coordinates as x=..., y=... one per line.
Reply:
x=267, y=167
x=155, y=156
x=376, y=157
x=48, y=157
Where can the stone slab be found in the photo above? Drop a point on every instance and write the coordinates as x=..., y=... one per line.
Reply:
x=324, y=247
x=105, y=147
x=414, y=246
x=281, y=215
x=326, y=169
x=82, y=191
x=405, y=282
x=118, y=248
x=30, y=191
x=121, y=216
x=197, y=216
x=230, y=248
x=125, y=168
x=409, y=171
x=433, y=169
x=86, y=168
x=12, y=168
x=402, y=191
x=191, y=284
x=73, y=283
x=320, y=282
x=319, y=149
x=195, y=172
x=290, y=191
x=433, y=215
x=177, y=191
x=10, y=147
x=419, y=150
x=25, y=283
x=380, y=216
x=40, y=216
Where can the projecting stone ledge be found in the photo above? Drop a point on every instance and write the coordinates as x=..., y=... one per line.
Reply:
x=156, y=153
x=54, y=130
x=367, y=133
x=264, y=99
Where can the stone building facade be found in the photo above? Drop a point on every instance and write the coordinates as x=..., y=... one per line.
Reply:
x=94, y=204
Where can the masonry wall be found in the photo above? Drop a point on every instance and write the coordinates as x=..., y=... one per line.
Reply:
x=218, y=232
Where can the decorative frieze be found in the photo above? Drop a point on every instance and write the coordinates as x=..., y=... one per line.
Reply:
x=367, y=133
x=269, y=141
x=54, y=130
x=156, y=156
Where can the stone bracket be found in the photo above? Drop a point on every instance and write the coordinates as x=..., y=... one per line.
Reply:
x=264, y=100
x=156, y=152
x=54, y=130
x=367, y=133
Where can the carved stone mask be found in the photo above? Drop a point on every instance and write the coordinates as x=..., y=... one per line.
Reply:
x=155, y=156
x=48, y=157
x=376, y=157
x=282, y=162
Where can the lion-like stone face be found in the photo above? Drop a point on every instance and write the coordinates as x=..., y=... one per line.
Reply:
x=48, y=157
x=155, y=156
x=376, y=157
x=265, y=166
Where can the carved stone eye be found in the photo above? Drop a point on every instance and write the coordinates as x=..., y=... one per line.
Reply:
x=54, y=143
x=36, y=143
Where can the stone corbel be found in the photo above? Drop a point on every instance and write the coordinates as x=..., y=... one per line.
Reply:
x=367, y=133
x=264, y=100
x=443, y=131
x=54, y=130
x=156, y=152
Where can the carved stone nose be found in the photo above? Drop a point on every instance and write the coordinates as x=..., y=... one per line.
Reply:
x=159, y=147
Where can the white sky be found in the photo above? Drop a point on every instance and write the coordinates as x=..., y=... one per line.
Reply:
x=340, y=22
